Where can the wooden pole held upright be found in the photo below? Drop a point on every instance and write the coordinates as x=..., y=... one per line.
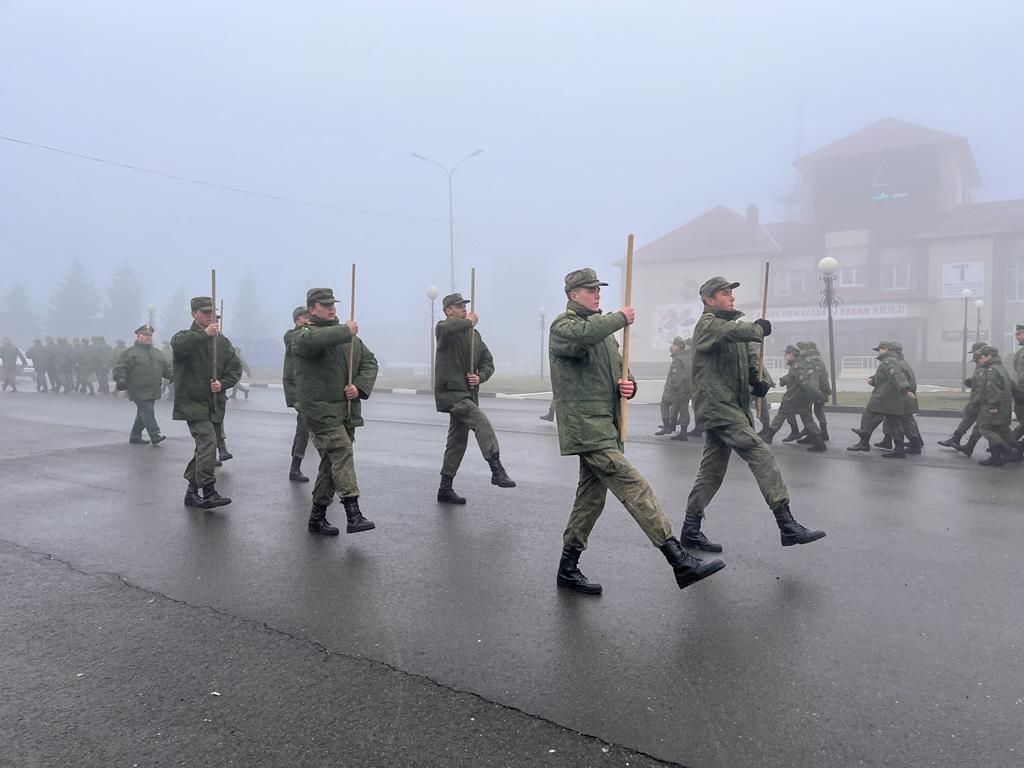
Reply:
x=760, y=362
x=472, y=330
x=623, y=402
x=213, y=352
x=352, y=344
x=220, y=317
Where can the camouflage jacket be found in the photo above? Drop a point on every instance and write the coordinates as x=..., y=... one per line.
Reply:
x=818, y=365
x=10, y=355
x=910, y=404
x=994, y=395
x=192, y=358
x=723, y=364
x=585, y=370
x=320, y=355
x=803, y=386
x=890, y=386
x=141, y=370
x=288, y=371
x=39, y=355
x=677, y=383
x=1018, y=371
x=451, y=363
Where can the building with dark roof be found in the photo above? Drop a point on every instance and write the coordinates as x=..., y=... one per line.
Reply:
x=892, y=204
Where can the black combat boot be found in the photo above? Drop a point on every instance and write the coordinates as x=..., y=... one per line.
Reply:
x=569, y=575
x=137, y=441
x=885, y=442
x=768, y=435
x=899, y=451
x=663, y=430
x=192, y=498
x=954, y=441
x=997, y=459
x=446, y=493
x=793, y=435
x=863, y=445
x=688, y=569
x=681, y=436
x=696, y=432
x=318, y=522
x=499, y=476
x=967, y=448
x=549, y=416
x=356, y=521
x=692, y=536
x=913, y=447
x=213, y=499
x=295, y=473
x=222, y=452
x=792, y=532
x=817, y=444
x=157, y=439
x=824, y=432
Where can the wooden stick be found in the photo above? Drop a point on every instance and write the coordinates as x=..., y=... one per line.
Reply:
x=625, y=339
x=764, y=311
x=220, y=318
x=352, y=344
x=213, y=352
x=472, y=329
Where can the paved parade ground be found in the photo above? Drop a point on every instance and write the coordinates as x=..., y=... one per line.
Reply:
x=136, y=631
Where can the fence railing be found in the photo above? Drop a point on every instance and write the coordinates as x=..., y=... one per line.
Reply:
x=857, y=367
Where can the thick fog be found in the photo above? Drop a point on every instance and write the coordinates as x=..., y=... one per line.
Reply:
x=595, y=119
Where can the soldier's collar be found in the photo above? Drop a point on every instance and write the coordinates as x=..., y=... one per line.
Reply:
x=573, y=308
x=723, y=314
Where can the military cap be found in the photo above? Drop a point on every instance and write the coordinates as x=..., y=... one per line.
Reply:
x=299, y=312
x=976, y=346
x=201, y=304
x=895, y=346
x=803, y=345
x=320, y=295
x=452, y=299
x=717, y=283
x=1020, y=326
x=812, y=345
x=886, y=344
x=582, y=278
x=680, y=341
x=793, y=350
x=145, y=328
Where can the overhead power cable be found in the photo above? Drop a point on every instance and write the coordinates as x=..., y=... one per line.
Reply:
x=223, y=187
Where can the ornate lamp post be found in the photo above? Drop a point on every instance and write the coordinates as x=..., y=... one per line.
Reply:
x=450, y=172
x=543, y=323
x=978, y=305
x=828, y=267
x=151, y=311
x=966, y=293
x=432, y=295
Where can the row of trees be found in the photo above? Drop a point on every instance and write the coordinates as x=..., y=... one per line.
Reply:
x=78, y=308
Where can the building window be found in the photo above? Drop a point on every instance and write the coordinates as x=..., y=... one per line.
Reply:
x=1015, y=284
x=897, y=277
x=855, y=276
x=793, y=281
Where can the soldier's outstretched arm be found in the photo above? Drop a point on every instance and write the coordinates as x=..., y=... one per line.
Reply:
x=453, y=327
x=308, y=341
x=712, y=331
x=570, y=338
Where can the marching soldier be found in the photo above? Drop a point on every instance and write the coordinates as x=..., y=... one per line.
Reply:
x=1018, y=390
x=802, y=391
x=140, y=371
x=995, y=401
x=52, y=363
x=970, y=411
x=65, y=359
x=675, y=397
x=811, y=355
x=331, y=406
x=300, y=318
x=585, y=376
x=10, y=355
x=910, y=405
x=457, y=380
x=40, y=359
x=200, y=396
x=105, y=360
x=724, y=380
x=891, y=389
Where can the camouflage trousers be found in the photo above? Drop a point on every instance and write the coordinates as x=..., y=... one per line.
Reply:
x=998, y=435
x=819, y=413
x=608, y=470
x=301, y=439
x=790, y=414
x=719, y=443
x=970, y=417
x=893, y=425
x=464, y=416
x=199, y=471
x=675, y=410
x=145, y=418
x=1018, y=409
x=337, y=472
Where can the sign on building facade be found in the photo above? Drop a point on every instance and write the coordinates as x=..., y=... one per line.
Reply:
x=959, y=275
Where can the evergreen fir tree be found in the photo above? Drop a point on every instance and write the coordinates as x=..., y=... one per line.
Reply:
x=125, y=310
x=246, y=317
x=17, y=318
x=175, y=316
x=75, y=304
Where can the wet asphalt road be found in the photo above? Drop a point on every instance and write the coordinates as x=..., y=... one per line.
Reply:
x=440, y=639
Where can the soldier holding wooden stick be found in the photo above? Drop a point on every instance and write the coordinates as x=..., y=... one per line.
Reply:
x=724, y=380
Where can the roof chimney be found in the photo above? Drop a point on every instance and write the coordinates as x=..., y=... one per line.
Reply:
x=753, y=216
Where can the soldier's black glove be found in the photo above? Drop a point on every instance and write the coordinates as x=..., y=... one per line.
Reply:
x=764, y=325
x=968, y=382
x=760, y=389
x=121, y=386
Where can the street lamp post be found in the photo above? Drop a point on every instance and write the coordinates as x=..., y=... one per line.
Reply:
x=151, y=311
x=828, y=267
x=432, y=295
x=543, y=318
x=450, y=172
x=978, y=305
x=966, y=293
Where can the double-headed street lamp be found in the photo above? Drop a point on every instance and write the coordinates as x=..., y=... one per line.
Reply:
x=450, y=172
x=828, y=267
x=966, y=293
x=432, y=295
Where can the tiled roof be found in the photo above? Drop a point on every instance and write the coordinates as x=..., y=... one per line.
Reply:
x=718, y=232
x=977, y=219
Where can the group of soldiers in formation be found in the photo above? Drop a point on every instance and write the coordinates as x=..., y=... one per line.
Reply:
x=83, y=365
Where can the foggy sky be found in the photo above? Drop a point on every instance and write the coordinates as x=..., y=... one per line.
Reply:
x=596, y=119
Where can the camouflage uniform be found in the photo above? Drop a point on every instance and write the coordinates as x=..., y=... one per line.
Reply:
x=10, y=355
x=995, y=401
x=194, y=403
x=288, y=382
x=675, y=397
x=910, y=404
x=39, y=356
x=891, y=391
x=1018, y=389
x=802, y=391
x=810, y=355
x=140, y=370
